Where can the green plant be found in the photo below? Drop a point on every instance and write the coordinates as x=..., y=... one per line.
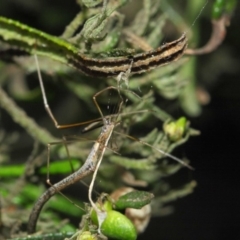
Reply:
x=103, y=35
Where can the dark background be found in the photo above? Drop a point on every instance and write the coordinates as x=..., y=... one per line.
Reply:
x=212, y=212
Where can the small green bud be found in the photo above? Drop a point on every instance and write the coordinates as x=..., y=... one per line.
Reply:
x=118, y=226
x=176, y=130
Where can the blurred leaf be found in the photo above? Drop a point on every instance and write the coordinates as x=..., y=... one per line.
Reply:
x=134, y=199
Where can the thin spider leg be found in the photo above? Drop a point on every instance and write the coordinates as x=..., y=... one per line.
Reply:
x=48, y=109
x=106, y=135
x=121, y=102
x=97, y=105
x=158, y=150
x=76, y=138
x=49, y=145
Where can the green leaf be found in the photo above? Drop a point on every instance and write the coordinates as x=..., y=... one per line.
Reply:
x=12, y=171
x=61, y=167
x=134, y=199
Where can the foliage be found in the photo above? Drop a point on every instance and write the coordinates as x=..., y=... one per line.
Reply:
x=98, y=31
